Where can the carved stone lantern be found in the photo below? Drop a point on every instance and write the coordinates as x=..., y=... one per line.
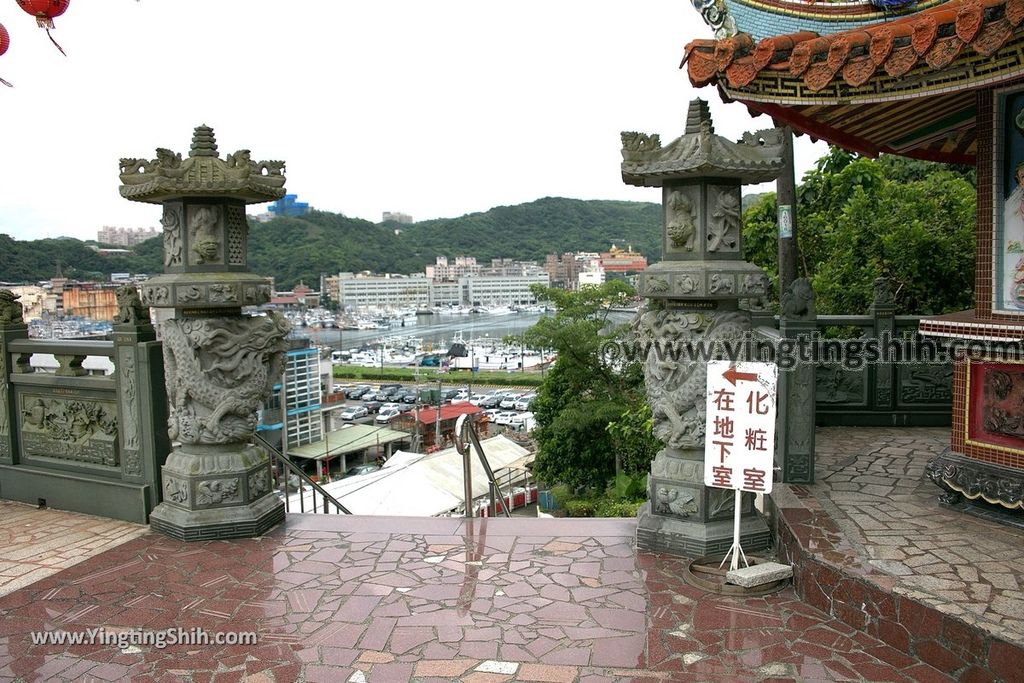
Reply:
x=219, y=364
x=693, y=297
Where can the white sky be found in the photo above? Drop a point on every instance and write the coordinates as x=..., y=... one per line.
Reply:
x=435, y=109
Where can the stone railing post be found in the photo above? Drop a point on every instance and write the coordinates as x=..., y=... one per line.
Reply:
x=12, y=327
x=141, y=398
x=883, y=314
x=797, y=406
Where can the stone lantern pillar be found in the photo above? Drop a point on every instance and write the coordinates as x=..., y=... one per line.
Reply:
x=693, y=297
x=219, y=364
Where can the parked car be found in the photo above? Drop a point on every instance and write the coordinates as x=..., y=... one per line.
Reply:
x=504, y=417
x=491, y=414
x=361, y=469
x=449, y=394
x=492, y=401
x=357, y=392
x=477, y=399
x=391, y=405
x=385, y=416
x=354, y=413
x=508, y=400
x=410, y=397
x=372, y=406
x=519, y=419
x=524, y=401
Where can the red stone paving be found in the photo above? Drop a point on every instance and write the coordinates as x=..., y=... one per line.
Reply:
x=390, y=599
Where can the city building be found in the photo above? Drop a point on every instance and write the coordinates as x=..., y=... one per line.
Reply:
x=356, y=292
x=289, y=205
x=507, y=266
x=396, y=217
x=301, y=296
x=617, y=260
x=444, y=271
x=303, y=385
x=593, y=275
x=124, y=237
x=502, y=290
x=88, y=300
x=383, y=292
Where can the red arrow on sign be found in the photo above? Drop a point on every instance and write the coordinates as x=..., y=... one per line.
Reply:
x=732, y=375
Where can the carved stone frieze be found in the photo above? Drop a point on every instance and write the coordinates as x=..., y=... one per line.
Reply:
x=128, y=388
x=155, y=295
x=218, y=491
x=5, y=428
x=960, y=477
x=679, y=501
x=176, y=490
x=259, y=483
x=205, y=235
x=681, y=220
x=219, y=372
x=171, y=222
x=725, y=220
x=79, y=430
x=721, y=283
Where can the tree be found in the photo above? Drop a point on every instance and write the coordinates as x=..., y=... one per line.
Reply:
x=858, y=219
x=586, y=389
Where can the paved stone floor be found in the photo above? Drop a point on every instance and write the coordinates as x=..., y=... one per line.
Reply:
x=394, y=599
x=37, y=543
x=870, y=481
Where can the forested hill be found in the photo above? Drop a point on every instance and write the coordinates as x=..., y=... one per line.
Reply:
x=293, y=249
x=546, y=226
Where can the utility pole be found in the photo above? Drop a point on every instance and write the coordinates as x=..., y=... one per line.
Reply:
x=786, y=201
x=437, y=422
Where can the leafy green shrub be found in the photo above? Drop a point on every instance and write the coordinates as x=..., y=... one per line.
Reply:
x=628, y=487
x=561, y=494
x=623, y=508
x=580, y=508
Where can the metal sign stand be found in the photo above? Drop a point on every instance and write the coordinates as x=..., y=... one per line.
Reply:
x=736, y=550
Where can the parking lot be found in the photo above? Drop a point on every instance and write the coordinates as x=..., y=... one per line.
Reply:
x=382, y=403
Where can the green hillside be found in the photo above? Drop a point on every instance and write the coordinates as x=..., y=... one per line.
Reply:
x=293, y=249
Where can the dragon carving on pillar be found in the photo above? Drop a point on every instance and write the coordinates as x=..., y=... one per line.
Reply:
x=219, y=372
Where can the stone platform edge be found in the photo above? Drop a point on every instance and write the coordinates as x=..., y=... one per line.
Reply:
x=835, y=580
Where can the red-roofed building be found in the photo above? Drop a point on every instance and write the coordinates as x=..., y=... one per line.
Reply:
x=450, y=413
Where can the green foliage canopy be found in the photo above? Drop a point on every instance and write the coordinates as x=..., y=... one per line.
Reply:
x=858, y=219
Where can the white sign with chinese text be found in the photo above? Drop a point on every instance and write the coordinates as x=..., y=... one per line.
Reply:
x=739, y=441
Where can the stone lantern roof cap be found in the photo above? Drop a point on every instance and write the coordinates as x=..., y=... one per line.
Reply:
x=202, y=174
x=755, y=158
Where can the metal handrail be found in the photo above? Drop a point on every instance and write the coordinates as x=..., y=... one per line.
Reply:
x=303, y=478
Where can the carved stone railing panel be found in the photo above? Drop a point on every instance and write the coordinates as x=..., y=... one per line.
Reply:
x=76, y=418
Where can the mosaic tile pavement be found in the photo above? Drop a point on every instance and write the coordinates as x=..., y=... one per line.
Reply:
x=37, y=543
x=872, y=483
x=396, y=599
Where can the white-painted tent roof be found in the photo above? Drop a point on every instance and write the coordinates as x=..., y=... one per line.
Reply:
x=414, y=484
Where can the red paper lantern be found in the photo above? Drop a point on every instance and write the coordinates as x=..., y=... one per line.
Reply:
x=44, y=11
x=5, y=42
